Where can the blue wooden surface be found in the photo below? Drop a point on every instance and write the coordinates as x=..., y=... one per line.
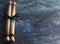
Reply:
x=38, y=21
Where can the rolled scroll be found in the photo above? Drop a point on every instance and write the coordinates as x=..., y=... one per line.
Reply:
x=9, y=8
x=8, y=21
x=12, y=28
x=13, y=12
x=7, y=30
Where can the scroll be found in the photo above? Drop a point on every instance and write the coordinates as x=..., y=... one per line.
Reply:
x=10, y=25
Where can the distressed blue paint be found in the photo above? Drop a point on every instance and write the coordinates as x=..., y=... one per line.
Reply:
x=38, y=21
x=25, y=26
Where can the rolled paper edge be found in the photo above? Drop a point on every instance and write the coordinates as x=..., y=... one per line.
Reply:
x=14, y=3
x=7, y=38
x=10, y=2
x=12, y=38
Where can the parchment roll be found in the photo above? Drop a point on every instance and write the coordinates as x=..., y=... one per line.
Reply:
x=12, y=29
x=9, y=8
x=8, y=21
x=7, y=29
x=12, y=25
x=13, y=12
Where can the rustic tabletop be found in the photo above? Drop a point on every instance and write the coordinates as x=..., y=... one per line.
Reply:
x=38, y=21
